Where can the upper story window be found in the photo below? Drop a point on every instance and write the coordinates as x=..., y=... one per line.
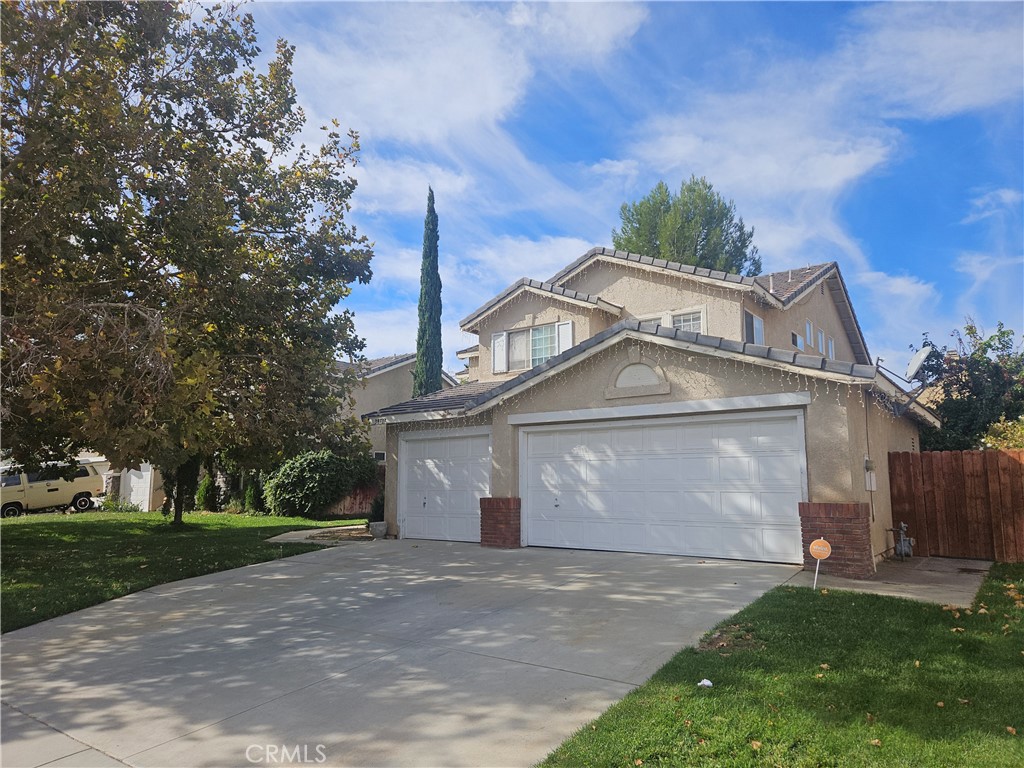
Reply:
x=753, y=328
x=798, y=341
x=831, y=348
x=691, y=320
x=809, y=327
x=821, y=341
x=523, y=349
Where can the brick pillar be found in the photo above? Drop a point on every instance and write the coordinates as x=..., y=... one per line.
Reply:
x=847, y=527
x=500, y=521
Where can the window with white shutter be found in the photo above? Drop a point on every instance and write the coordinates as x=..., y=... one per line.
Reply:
x=499, y=357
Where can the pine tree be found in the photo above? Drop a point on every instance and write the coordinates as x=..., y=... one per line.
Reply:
x=427, y=377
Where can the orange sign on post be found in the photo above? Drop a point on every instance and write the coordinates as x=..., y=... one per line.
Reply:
x=820, y=550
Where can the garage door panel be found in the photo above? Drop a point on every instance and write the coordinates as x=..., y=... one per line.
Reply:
x=780, y=507
x=777, y=469
x=698, y=437
x=660, y=470
x=696, y=505
x=725, y=487
x=735, y=436
x=739, y=506
x=733, y=469
x=628, y=440
x=661, y=439
x=779, y=545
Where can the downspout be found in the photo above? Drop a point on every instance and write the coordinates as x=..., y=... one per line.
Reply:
x=867, y=458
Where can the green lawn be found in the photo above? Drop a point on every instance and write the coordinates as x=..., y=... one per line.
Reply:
x=52, y=564
x=835, y=679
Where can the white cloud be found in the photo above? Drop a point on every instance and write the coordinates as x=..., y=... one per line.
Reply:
x=993, y=203
x=388, y=331
x=934, y=59
x=400, y=186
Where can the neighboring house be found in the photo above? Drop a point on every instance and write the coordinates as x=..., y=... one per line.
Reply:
x=387, y=380
x=640, y=405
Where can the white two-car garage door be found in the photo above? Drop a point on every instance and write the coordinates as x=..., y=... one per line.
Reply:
x=714, y=486
x=442, y=477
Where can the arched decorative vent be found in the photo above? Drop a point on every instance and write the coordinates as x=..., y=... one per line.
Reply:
x=637, y=377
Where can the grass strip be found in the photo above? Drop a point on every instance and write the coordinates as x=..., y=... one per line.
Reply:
x=53, y=564
x=830, y=678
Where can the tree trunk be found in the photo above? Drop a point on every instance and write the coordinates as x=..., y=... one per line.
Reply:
x=186, y=480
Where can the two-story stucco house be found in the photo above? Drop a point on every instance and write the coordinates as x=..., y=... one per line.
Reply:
x=634, y=404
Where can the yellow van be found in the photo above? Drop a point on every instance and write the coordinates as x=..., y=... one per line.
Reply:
x=27, y=491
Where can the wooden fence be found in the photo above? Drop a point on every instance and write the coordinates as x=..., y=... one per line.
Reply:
x=961, y=503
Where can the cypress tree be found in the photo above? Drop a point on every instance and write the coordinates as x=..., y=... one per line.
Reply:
x=427, y=376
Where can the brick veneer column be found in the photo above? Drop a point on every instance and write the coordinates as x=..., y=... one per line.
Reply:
x=847, y=527
x=500, y=522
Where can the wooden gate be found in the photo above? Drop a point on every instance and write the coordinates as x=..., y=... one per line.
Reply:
x=961, y=503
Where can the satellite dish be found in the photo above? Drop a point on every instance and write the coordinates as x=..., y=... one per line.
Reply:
x=916, y=362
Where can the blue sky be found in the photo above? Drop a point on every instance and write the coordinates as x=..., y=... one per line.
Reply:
x=886, y=137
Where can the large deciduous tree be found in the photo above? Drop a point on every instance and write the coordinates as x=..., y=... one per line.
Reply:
x=697, y=226
x=977, y=383
x=172, y=261
x=429, y=356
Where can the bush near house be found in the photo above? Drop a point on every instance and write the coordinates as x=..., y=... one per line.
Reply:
x=309, y=483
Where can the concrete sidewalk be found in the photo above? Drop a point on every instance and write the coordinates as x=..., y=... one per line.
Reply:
x=395, y=653
x=942, y=580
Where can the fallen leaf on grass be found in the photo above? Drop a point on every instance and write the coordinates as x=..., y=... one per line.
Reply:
x=964, y=701
x=823, y=666
x=756, y=745
x=1011, y=730
x=819, y=675
x=917, y=664
x=638, y=761
x=875, y=742
x=957, y=629
x=870, y=718
x=940, y=704
x=824, y=591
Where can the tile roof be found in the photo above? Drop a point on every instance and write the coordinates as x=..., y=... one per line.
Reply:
x=379, y=363
x=475, y=349
x=467, y=397
x=784, y=287
x=537, y=285
x=444, y=400
x=672, y=266
x=789, y=283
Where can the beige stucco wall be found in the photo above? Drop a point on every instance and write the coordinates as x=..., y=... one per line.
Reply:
x=818, y=307
x=877, y=432
x=528, y=310
x=643, y=293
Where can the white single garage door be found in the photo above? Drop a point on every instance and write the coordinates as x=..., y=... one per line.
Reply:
x=442, y=477
x=714, y=486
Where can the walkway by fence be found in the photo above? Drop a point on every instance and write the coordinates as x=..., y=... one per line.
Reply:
x=961, y=503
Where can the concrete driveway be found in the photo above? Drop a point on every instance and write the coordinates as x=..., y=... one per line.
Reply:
x=384, y=653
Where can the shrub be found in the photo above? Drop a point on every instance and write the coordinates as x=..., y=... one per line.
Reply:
x=306, y=485
x=120, y=506
x=254, y=497
x=207, y=494
x=377, y=509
